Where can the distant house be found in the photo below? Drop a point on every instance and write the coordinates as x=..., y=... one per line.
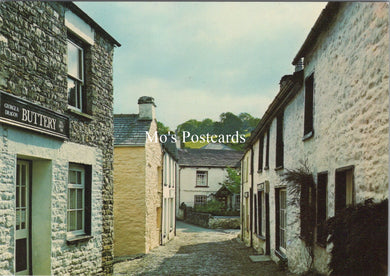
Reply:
x=200, y=173
x=333, y=114
x=137, y=181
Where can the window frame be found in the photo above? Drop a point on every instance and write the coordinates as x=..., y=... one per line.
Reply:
x=202, y=202
x=80, y=82
x=86, y=185
x=349, y=193
x=278, y=214
x=76, y=186
x=205, y=176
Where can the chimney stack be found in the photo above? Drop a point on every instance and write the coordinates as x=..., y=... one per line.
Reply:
x=146, y=108
x=299, y=65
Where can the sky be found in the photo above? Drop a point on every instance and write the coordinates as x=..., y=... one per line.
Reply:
x=200, y=59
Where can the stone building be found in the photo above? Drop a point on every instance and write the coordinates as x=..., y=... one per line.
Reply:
x=333, y=114
x=200, y=173
x=138, y=189
x=56, y=150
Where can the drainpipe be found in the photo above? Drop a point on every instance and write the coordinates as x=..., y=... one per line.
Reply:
x=162, y=198
x=242, y=200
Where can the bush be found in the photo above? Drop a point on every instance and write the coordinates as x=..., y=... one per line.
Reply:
x=359, y=236
x=210, y=207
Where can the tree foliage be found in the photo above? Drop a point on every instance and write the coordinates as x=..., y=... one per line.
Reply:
x=232, y=180
x=228, y=123
x=162, y=129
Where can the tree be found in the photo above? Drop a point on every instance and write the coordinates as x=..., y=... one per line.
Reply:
x=162, y=129
x=248, y=122
x=232, y=181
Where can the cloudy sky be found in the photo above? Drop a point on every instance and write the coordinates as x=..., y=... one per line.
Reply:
x=199, y=59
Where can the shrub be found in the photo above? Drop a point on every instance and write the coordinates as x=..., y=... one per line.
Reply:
x=359, y=236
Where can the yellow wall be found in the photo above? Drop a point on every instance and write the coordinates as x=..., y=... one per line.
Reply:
x=129, y=201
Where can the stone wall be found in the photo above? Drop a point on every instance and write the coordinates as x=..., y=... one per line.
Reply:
x=153, y=191
x=351, y=111
x=201, y=219
x=33, y=66
x=129, y=197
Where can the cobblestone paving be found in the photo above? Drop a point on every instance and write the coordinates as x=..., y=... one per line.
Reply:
x=199, y=251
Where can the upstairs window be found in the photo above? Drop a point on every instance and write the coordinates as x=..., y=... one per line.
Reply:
x=201, y=179
x=261, y=155
x=308, y=117
x=75, y=75
x=279, y=142
x=267, y=152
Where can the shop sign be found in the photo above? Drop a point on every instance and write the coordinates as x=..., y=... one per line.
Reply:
x=19, y=112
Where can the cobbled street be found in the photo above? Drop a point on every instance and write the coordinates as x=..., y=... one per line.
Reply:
x=199, y=251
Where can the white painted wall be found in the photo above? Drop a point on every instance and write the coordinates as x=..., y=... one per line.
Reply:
x=169, y=197
x=351, y=122
x=188, y=187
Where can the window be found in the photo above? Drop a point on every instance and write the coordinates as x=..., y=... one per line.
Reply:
x=79, y=200
x=201, y=179
x=281, y=220
x=279, y=141
x=260, y=212
x=75, y=75
x=238, y=202
x=261, y=150
x=200, y=200
x=344, y=190
x=267, y=153
x=322, y=183
x=308, y=117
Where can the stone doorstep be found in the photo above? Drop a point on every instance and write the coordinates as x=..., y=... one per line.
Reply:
x=260, y=258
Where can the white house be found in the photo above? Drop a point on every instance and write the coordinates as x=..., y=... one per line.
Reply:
x=200, y=173
x=332, y=113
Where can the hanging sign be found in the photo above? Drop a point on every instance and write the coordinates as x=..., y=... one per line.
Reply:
x=19, y=112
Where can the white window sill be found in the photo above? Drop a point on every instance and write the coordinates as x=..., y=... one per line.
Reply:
x=77, y=239
x=71, y=109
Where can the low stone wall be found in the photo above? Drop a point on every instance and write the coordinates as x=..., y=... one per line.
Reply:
x=213, y=222
x=224, y=222
x=201, y=219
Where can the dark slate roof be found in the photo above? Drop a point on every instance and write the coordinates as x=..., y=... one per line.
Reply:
x=129, y=130
x=209, y=158
x=170, y=147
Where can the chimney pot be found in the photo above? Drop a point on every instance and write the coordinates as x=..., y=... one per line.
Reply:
x=146, y=107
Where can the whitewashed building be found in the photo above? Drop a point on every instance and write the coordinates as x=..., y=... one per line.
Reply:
x=200, y=173
x=333, y=114
x=169, y=182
